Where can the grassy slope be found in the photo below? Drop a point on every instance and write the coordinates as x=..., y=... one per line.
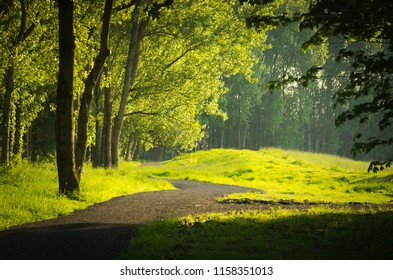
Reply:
x=29, y=192
x=315, y=233
x=287, y=175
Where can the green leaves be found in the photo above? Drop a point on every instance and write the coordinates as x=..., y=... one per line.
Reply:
x=187, y=50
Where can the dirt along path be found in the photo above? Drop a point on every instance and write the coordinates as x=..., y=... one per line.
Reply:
x=102, y=230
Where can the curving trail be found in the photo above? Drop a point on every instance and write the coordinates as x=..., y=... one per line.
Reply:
x=102, y=230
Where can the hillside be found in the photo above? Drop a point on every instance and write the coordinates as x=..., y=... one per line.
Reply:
x=285, y=175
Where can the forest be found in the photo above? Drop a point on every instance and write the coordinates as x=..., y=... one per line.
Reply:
x=102, y=80
x=196, y=129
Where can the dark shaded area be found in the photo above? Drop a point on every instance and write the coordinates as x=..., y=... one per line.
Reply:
x=334, y=236
x=67, y=241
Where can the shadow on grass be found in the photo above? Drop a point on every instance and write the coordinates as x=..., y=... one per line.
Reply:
x=299, y=236
x=74, y=241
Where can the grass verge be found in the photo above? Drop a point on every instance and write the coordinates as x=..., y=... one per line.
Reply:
x=316, y=233
x=29, y=192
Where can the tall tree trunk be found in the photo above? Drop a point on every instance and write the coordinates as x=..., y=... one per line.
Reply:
x=27, y=143
x=107, y=129
x=68, y=180
x=222, y=135
x=133, y=149
x=5, y=127
x=245, y=136
x=129, y=148
x=239, y=132
x=18, y=137
x=137, y=33
x=96, y=148
x=90, y=84
x=96, y=152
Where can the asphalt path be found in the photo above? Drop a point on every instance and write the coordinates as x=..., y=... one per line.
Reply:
x=102, y=231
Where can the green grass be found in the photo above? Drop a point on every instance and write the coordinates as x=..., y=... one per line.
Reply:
x=284, y=175
x=287, y=177
x=317, y=233
x=29, y=192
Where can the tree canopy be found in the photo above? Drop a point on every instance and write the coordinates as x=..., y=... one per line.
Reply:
x=363, y=31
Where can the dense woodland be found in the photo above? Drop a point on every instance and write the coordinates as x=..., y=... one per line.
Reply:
x=99, y=80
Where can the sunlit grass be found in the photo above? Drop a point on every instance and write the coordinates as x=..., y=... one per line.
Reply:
x=316, y=233
x=285, y=175
x=282, y=177
x=29, y=192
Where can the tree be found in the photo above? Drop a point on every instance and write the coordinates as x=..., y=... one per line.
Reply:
x=90, y=85
x=183, y=55
x=138, y=26
x=65, y=149
x=370, y=77
x=14, y=42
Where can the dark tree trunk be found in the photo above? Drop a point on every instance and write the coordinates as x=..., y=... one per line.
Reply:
x=107, y=129
x=245, y=137
x=239, y=132
x=68, y=180
x=27, y=143
x=96, y=152
x=222, y=135
x=90, y=85
x=96, y=148
x=133, y=149
x=5, y=127
x=18, y=137
x=129, y=147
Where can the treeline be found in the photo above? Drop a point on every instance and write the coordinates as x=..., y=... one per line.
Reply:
x=317, y=115
x=293, y=117
x=163, y=66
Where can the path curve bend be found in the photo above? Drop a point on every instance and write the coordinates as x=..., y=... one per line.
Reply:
x=102, y=230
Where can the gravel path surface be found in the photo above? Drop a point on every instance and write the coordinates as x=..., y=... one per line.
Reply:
x=102, y=231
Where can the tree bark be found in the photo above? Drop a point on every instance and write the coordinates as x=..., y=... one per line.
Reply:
x=137, y=33
x=18, y=130
x=90, y=84
x=27, y=143
x=5, y=128
x=96, y=152
x=96, y=148
x=245, y=137
x=222, y=135
x=107, y=129
x=239, y=132
x=68, y=180
x=129, y=147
